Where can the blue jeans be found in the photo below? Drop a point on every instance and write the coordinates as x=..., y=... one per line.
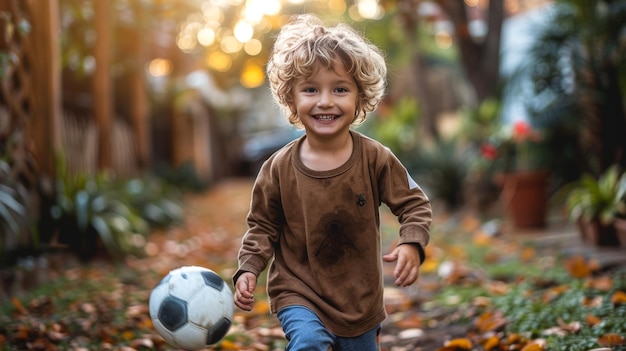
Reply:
x=305, y=331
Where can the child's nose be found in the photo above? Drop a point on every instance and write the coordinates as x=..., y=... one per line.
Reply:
x=326, y=99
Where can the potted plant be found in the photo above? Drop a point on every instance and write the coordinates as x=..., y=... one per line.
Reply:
x=620, y=222
x=518, y=153
x=595, y=204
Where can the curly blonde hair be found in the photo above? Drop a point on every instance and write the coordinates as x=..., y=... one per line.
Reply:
x=305, y=43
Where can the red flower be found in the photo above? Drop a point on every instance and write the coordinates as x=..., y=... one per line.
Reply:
x=522, y=131
x=489, y=151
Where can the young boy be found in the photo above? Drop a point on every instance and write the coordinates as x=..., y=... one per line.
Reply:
x=314, y=212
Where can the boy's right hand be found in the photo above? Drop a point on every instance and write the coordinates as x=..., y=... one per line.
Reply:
x=244, y=288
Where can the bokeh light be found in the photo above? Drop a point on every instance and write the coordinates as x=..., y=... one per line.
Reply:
x=253, y=75
x=159, y=67
x=219, y=61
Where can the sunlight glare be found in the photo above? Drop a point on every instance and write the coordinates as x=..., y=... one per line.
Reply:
x=369, y=9
x=272, y=7
x=253, y=12
x=230, y=45
x=253, y=47
x=243, y=31
x=212, y=13
x=206, y=36
x=186, y=42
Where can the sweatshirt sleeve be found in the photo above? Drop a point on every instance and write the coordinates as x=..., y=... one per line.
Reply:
x=407, y=201
x=264, y=224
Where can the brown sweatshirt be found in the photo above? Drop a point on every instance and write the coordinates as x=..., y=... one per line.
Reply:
x=322, y=230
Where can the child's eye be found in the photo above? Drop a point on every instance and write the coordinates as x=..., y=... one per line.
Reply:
x=309, y=90
x=341, y=90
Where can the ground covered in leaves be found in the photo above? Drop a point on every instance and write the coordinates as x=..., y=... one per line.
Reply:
x=478, y=291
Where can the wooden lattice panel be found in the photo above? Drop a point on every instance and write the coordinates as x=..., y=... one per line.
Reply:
x=15, y=90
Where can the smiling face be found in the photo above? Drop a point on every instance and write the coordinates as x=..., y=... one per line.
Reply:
x=326, y=101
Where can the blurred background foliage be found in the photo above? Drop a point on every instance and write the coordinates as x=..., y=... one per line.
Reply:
x=448, y=94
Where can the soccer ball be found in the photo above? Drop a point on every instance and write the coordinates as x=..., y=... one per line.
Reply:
x=191, y=308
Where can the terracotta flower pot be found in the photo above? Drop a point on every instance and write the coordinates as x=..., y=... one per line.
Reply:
x=525, y=197
x=620, y=231
x=595, y=233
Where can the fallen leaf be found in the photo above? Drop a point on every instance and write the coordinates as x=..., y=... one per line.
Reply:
x=592, y=320
x=142, y=342
x=19, y=308
x=528, y=253
x=572, y=327
x=410, y=321
x=535, y=345
x=611, y=339
x=604, y=283
x=618, y=298
x=555, y=331
x=490, y=321
x=578, y=267
x=460, y=343
x=481, y=301
x=497, y=288
x=592, y=302
x=492, y=343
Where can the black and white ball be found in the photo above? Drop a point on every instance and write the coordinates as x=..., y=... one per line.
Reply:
x=191, y=308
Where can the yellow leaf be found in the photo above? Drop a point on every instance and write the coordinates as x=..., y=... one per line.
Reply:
x=429, y=266
x=262, y=307
x=128, y=335
x=460, y=343
x=492, y=343
x=490, y=321
x=481, y=239
x=229, y=345
x=535, y=345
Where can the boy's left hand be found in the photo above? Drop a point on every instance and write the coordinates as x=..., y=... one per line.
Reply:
x=407, y=265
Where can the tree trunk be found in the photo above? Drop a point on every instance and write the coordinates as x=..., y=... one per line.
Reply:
x=45, y=126
x=480, y=60
x=102, y=85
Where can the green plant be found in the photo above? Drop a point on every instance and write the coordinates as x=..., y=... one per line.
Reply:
x=14, y=227
x=154, y=200
x=93, y=210
x=397, y=129
x=528, y=311
x=593, y=198
x=576, y=69
x=87, y=213
x=442, y=169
